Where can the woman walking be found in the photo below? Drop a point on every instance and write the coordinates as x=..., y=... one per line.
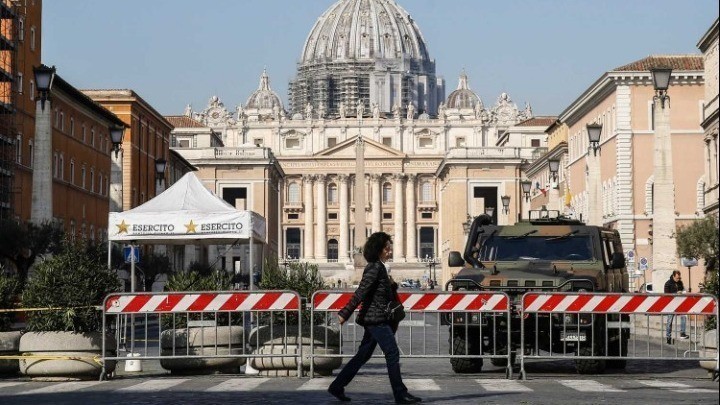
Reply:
x=375, y=292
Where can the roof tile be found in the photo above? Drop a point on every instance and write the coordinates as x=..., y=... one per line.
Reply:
x=676, y=62
x=182, y=121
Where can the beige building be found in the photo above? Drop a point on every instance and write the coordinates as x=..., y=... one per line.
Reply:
x=423, y=169
x=709, y=46
x=614, y=186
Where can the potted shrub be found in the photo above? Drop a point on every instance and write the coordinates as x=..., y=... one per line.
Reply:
x=73, y=283
x=197, y=335
x=306, y=280
x=9, y=339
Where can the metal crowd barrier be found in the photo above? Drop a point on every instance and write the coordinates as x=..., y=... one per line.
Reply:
x=431, y=319
x=196, y=327
x=611, y=328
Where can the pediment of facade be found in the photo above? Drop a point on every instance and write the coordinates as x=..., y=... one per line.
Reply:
x=347, y=149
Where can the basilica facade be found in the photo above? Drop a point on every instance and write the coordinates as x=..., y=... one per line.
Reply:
x=368, y=143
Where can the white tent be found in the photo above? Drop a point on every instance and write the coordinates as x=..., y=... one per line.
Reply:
x=187, y=213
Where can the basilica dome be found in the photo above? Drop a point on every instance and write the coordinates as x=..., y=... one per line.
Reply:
x=264, y=97
x=463, y=97
x=364, y=29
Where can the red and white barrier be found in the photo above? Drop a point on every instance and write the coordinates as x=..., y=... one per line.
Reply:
x=429, y=301
x=200, y=302
x=619, y=303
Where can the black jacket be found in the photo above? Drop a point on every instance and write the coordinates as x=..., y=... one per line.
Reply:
x=375, y=291
x=671, y=287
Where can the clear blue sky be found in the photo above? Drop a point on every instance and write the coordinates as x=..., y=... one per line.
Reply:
x=174, y=52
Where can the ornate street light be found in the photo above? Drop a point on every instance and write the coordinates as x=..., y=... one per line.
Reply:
x=44, y=77
x=554, y=166
x=116, y=137
x=594, y=131
x=490, y=211
x=661, y=82
x=160, y=165
x=526, y=185
x=467, y=224
x=505, y=203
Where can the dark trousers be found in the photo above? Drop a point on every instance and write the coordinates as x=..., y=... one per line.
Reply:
x=374, y=335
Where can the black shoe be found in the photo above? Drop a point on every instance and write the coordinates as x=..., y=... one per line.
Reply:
x=684, y=336
x=669, y=341
x=407, y=399
x=339, y=394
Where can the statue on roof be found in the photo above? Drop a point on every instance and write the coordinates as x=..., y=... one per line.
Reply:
x=342, y=110
x=308, y=111
x=360, y=108
x=375, y=110
x=188, y=110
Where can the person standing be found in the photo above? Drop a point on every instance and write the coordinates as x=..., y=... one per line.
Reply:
x=375, y=292
x=675, y=286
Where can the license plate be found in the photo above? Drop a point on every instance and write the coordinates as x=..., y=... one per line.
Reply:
x=572, y=337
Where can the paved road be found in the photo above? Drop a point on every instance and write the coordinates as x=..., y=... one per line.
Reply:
x=370, y=386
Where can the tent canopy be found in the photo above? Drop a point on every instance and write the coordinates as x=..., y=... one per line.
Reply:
x=186, y=213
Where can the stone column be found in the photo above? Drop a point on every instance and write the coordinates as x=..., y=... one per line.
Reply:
x=664, y=260
x=308, y=180
x=398, y=251
x=116, y=182
x=321, y=238
x=375, y=184
x=344, y=244
x=41, y=207
x=411, y=212
x=594, y=188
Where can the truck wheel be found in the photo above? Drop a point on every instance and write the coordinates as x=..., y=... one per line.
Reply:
x=589, y=366
x=464, y=365
x=618, y=364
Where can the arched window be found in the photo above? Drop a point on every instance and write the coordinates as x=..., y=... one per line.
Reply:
x=426, y=192
x=649, y=195
x=387, y=193
x=332, y=250
x=332, y=193
x=294, y=193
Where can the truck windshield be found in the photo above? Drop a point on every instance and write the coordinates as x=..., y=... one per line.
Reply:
x=499, y=248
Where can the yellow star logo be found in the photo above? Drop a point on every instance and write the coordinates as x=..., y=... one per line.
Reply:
x=191, y=227
x=122, y=227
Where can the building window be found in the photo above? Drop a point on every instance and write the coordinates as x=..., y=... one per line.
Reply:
x=21, y=29
x=425, y=142
x=331, y=142
x=258, y=142
x=83, y=172
x=72, y=127
x=72, y=171
x=18, y=150
x=55, y=164
x=84, y=133
x=293, y=216
x=20, y=83
x=332, y=215
x=426, y=215
x=459, y=142
x=387, y=215
x=92, y=180
x=72, y=229
x=292, y=143
x=427, y=242
x=535, y=143
x=184, y=143
x=92, y=137
x=32, y=38
x=387, y=141
x=292, y=244
x=62, y=122
x=30, y=150
x=92, y=233
x=100, y=184
x=426, y=192
x=32, y=90
x=387, y=193
x=294, y=193
x=332, y=250
x=62, y=167
x=107, y=186
x=332, y=196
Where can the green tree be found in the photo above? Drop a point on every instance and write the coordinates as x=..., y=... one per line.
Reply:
x=9, y=287
x=22, y=244
x=76, y=280
x=700, y=240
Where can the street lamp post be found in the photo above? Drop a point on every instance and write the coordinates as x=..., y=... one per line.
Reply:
x=663, y=216
x=554, y=192
x=432, y=263
x=505, y=200
x=525, y=186
x=467, y=224
x=595, y=205
x=160, y=165
x=41, y=207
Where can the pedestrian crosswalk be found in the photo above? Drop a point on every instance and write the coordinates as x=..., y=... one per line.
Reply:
x=239, y=384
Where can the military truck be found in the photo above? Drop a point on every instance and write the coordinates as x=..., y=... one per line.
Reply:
x=547, y=252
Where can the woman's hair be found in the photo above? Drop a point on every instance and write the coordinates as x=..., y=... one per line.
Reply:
x=375, y=245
